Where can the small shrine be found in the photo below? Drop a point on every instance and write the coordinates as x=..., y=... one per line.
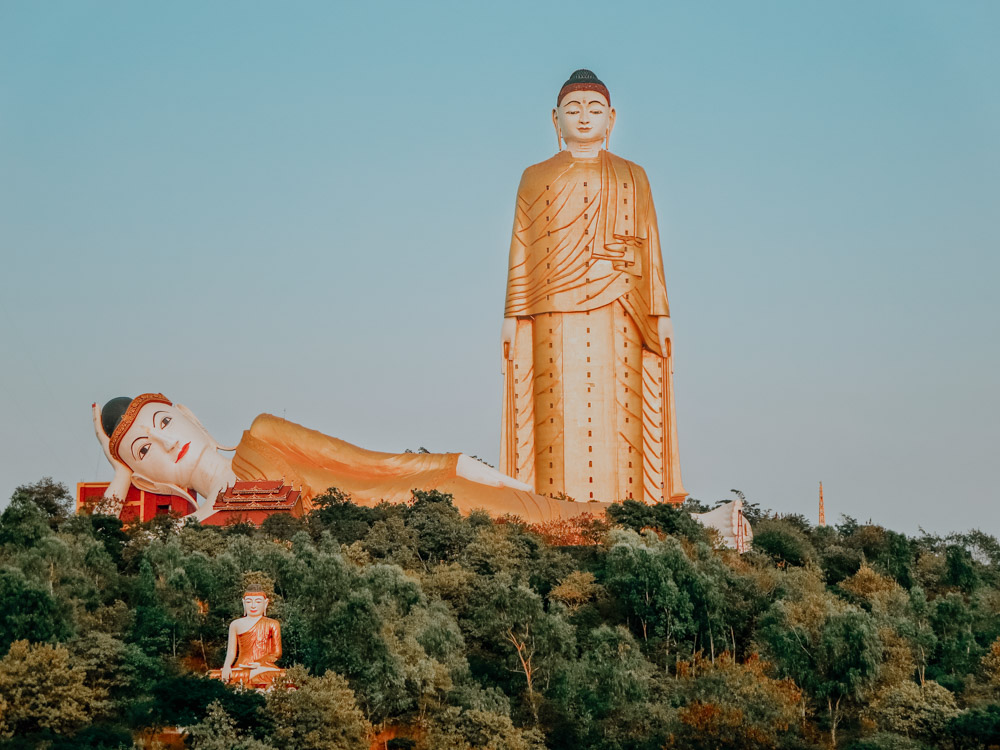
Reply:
x=253, y=501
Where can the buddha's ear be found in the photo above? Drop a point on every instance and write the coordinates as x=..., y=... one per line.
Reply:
x=160, y=488
x=611, y=121
x=189, y=415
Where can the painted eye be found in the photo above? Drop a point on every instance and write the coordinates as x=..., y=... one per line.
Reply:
x=164, y=422
x=143, y=451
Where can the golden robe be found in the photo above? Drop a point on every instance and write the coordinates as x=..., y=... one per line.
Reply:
x=588, y=397
x=260, y=645
x=274, y=448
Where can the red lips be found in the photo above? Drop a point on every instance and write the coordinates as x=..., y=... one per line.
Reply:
x=183, y=452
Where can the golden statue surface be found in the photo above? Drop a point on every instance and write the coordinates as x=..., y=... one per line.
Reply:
x=254, y=646
x=588, y=405
x=160, y=446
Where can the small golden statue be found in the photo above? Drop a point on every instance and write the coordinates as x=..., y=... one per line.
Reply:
x=254, y=645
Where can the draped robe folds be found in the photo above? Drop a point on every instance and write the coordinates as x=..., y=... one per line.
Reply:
x=260, y=644
x=274, y=448
x=588, y=396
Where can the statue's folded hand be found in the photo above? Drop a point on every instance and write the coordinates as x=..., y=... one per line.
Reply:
x=665, y=333
x=508, y=334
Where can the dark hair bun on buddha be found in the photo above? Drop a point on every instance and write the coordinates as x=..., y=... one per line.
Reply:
x=583, y=80
x=113, y=412
x=118, y=415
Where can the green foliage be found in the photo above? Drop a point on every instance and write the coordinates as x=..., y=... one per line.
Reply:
x=23, y=524
x=343, y=520
x=40, y=689
x=52, y=499
x=914, y=710
x=664, y=517
x=28, y=611
x=218, y=731
x=183, y=699
x=888, y=741
x=666, y=597
x=451, y=631
x=723, y=703
x=320, y=714
x=784, y=541
x=456, y=728
x=976, y=728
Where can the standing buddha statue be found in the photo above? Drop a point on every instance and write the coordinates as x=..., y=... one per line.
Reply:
x=588, y=396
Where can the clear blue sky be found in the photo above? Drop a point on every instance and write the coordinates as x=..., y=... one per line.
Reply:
x=305, y=209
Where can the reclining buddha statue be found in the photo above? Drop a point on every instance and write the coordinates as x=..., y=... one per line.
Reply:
x=159, y=446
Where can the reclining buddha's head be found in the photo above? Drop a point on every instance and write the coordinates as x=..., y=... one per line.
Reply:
x=161, y=442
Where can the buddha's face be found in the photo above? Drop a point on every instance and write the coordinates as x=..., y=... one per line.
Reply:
x=164, y=445
x=254, y=605
x=583, y=117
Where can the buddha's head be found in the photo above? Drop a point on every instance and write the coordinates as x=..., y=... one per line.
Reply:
x=255, y=603
x=583, y=112
x=161, y=442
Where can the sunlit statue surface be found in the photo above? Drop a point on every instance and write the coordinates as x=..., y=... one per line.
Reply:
x=588, y=397
x=254, y=645
x=161, y=447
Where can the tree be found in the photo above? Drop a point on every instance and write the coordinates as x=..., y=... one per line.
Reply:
x=975, y=728
x=831, y=651
x=783, y=541
x=42, y=690
x=511, y=618
x=663, y=592
x=23, y=523
x=319, y=714
x=728, y=704
x=662, y=517
x=183, y=699
x=576, y=589
x=847, y=662
x=336, y=513
x=441, y=531
x=914, y=710
x=604, y=696
x=29, y=612
x=281, y=526
x=957, y=651
x=217, y=731
x=455, y=728
x=52, y=498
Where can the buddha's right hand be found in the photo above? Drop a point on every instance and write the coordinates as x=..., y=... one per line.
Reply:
x=123, y=474
x=508, y=334
x=227, y=673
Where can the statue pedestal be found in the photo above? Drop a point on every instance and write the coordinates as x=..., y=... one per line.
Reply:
x=263, y=681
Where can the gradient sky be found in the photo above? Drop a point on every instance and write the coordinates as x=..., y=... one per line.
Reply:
x=305, y=209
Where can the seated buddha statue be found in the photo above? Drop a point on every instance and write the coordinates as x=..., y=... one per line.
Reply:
x=159, y=446
x=254, y=645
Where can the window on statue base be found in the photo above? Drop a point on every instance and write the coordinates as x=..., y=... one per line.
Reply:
x=162, y=509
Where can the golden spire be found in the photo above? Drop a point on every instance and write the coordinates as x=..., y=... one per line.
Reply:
x=822, y=510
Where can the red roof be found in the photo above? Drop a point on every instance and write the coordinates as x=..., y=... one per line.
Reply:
x=258, y=495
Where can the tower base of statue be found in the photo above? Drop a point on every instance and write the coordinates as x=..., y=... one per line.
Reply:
x=588, y=412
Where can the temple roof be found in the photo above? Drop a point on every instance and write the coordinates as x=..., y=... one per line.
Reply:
x=258, y=495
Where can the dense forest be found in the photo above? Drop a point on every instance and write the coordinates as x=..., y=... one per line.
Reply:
x=415, y=627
